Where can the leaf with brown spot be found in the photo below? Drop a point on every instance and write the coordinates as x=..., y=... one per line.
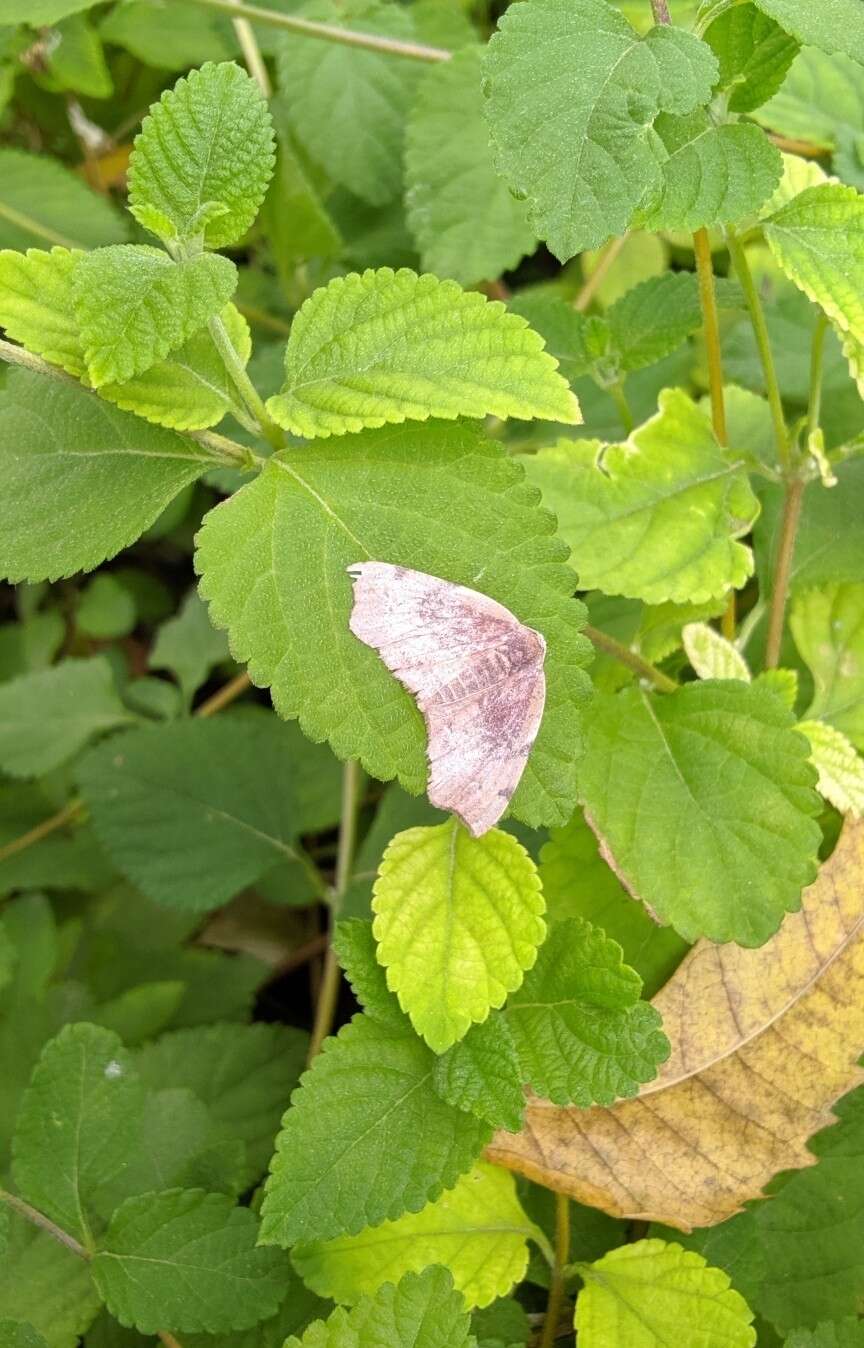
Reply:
x=763, y=1043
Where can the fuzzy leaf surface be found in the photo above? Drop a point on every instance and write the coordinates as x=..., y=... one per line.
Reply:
x=818, y=240
x=390, y=346
x=482, y=1073
x=466, y=222
x=833, y=26
x=439, y=499
x=711, y=174
x=671, y=786
x=422, y=1311
x=576, y=146
x=754, y=54
x=458, y=921
x=711, y=655
x=657, y=518
x=35, y=304
x=46, y=717
x=840, y=768
x=134, y=305
x=107, y=474
x=209, y=140
x=478, y=1230
x=366, y=1138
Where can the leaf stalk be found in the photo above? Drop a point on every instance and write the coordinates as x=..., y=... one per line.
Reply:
x=556, y=1283
x=643, y=668
x=294, y=23
x=325, y=1009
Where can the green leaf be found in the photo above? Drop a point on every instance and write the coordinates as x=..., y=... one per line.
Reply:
x=820, y=100
x=41, y=12
x=36, y=304
x=582, y=1034
x=67, y=859
x=653, y=318
x=77, y=59
x=711, y=174
x=458, y=921
x=829, y=547
x=134, y=305
x=478, y=1230
x=841, y=771
x=77, y=1125
x=189, y=646
x=482, y=1074
x=192, y=389
x=818, y=240
x=438, y=499
x=208, y=141
x=45, y=718
x=44, y=203
x=46, y=1285
x=194, y=812
x=394, y=346
x=711, y=655
x=656, y=518
x=294, y=217
x=753, y=52
x=651, y=1293
x=422, y=1311
x=196, y=35
x=366, y=1138
x=572, y=89
x=504, y=1324
x=106, y=609
x=828, y=627
x=17, y=1334
x=348, y=106
x=702, y=801
x=848, y=1333
x=107, y=474
x=466, y=222
x=357, y=952
x=187, y=1260
x=833, y=25
x=244, y=1074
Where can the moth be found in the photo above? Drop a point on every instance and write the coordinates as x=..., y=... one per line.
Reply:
x=476, y=673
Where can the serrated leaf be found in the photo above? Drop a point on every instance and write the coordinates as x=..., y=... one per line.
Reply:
x=712, y=655
x=189, y=645
x=820, y=100
x=35, y=304
x=208, y=141
x=356, y=950
x=504, y=1324
x=847, y=1333
x=818, y=240
x=196, y=35
x=482, y=1074
x=44, y=203
x=186, y=1259
x=582, y=1034
x=193, y=812
x=77, y=1125
x=572, y=88
x=458, y=921
x=107, y=474
x=192, y=389
x=477, y=1229
x=828, y=627
x=366, y=1137
x=46, y=717
x=833, y=25
x=348, y=106
x=134, y=305
x=798, y=175
x=653, y=318
x=767, y=1041
x=711, y=174
x=465, y=220
x=106, y=609
x=244, y=1074
x=679, y=789
x=390, y=346
x=841, y=770
x=577, y=882
x=438, y=499
x=753, y=52
x=422, y=1311
x=44, y=1284
x=658, y=517
x=647, y=1294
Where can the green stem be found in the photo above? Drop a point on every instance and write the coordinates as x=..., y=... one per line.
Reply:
x=817, y=357
x=328, y=995
x=763, y=345
x=248, y=392
x=660, y=10
x=783, y=570
x=711, y=331
x=293, y=23
x=620, y=399
x=556, y=1283
x=44, y=1223
x=643, y=668
x=252, y=55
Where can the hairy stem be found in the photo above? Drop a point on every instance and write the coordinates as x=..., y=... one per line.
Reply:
x=325, y=1008
x=252, y=55
x=44, y=1223
x=643, y=668
x=711, y=331
x=248, y=392
x=556, y=1283
x=763, y=345
x=660, y=10
x=293, y=23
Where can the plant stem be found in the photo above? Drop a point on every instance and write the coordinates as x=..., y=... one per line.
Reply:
x=711, y=329
x=556, y=1284
x=729, y=618
x=660, y=10
x=598, y=275
x=325, y=1008
x=248, y=392
x=817, y=356
x=168, y=1339
x=610, y=646
x=293, y=23
x=44, y=1223
x=783, y=570
x=763, y=344
x=252, y=55
x=621, y=403
x=223, y=696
